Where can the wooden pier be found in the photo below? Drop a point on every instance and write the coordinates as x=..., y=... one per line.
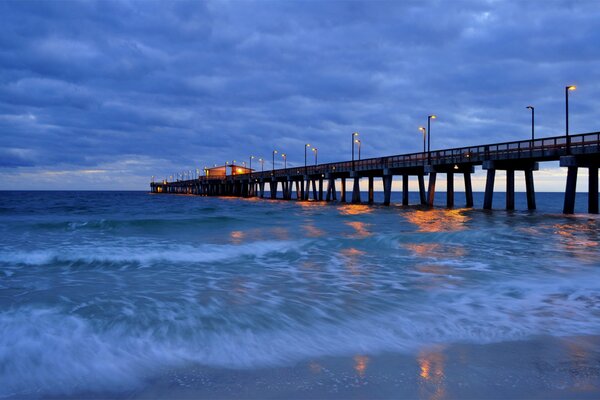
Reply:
x=573, y=152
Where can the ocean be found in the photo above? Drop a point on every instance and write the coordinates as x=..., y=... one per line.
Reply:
x=134, y=295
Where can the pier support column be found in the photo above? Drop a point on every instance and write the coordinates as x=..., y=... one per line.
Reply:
x=468, y=190
x=262, y=189
x=569, y=205
x=343, y=191
x=287, y=189
x=450, y=189
x=315, y=193
x=306, y=187
x=422, y=196
x=356, y=190
x=298, y=190
x=387, y=189
x=405, y=189
x=371, y=189
x=510, y=189
x=489, y=189
x=530, y=189
x=320, y=189
x=331, y=192
x=593, y=190
x=273, y=186
x=431, y=191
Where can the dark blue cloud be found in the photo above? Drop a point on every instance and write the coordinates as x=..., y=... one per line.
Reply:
x=132, y=89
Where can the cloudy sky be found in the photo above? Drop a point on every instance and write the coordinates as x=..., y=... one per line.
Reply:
x=103, y=95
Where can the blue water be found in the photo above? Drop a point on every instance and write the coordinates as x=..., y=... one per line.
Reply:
x=103, y=291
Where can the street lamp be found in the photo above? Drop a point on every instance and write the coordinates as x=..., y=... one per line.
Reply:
x=567, y=90
x=357, y=141
x=422, y=129
x=532, y=108
x=354, y=134
x=306, y=146
x=251, y=158
x=262, y=164
x=429, y=118
x=274, y=152
x=284, y=160
x=316, y=151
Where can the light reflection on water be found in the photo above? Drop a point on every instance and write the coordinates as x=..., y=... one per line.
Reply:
x=431, y=372
x=360, y=229
x=438, y=220
x=360, y=364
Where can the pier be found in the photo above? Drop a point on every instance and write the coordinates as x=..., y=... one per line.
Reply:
x=318, y=182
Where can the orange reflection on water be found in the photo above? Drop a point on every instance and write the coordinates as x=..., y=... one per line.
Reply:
x=577, y=235
x=431, y=372
x=312, y=231
x=438, y=220
x=355, y=209
x=352, y=264
x=237, y=236
x=582, y=361
x=311, y=204
x=360, y=228
x=423, y=249
x=435, y=250
x=360, y=364
x=352, y=252
x=315, y=367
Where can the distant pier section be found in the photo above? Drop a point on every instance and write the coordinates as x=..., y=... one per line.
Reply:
x=308, y=183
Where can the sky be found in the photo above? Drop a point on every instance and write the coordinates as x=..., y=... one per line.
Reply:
x=104, y=95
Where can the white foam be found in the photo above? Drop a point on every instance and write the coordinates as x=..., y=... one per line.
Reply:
x=146, y=255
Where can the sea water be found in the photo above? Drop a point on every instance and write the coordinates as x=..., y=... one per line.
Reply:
x=101, y=292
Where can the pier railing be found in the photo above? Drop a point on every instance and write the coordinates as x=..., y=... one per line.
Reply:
x=542, y=149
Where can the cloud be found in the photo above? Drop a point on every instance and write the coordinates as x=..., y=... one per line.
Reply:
x=187, y=84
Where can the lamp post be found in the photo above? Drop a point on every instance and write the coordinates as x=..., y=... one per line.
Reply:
x=532, y=108
x=422, y=129
x=429, y=118
x=284, y=160
x=274, y=152
x=357, y=141
x=567, y=90
x=316, y=151
x=262, y=164
x=354, y=134
x=306, y=146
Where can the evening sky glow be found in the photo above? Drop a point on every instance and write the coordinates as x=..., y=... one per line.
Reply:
x=103, y=95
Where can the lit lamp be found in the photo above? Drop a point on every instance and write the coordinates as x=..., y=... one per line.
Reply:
x=567, y=90
x=357, y=141
x=274, y=152
x=284, y=160
x=422, y=129
x=306, y=146
x=429, y=118
x=354, y=134
x=316, y=151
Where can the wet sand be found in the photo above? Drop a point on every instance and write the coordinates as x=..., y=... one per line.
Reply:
x=542, y=368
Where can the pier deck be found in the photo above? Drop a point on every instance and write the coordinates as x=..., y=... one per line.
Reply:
x=573, y=152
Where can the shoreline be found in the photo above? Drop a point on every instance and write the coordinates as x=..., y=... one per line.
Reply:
x=539, y=368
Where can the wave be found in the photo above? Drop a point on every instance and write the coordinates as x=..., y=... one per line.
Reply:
x=154, y=223
x=144, y=255
x=55, y=352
